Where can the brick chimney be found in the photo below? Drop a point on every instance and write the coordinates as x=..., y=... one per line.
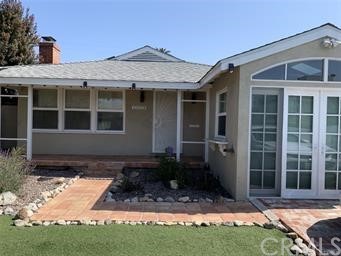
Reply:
x=49, y=52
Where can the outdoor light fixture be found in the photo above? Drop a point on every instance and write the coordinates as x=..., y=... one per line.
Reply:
x=329, y=42
x=231, y=68
x=133, y=86
x=85, y=84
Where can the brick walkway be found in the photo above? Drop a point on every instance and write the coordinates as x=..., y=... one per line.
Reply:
x=311, y=219
x=84, y=201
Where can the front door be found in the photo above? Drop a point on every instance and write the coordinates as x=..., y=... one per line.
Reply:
x=311, y=144
x=164, y=129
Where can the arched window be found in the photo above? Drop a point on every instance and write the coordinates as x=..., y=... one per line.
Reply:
x=303, y=70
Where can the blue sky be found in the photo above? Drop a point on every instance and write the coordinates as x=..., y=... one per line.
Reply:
x=201, y=31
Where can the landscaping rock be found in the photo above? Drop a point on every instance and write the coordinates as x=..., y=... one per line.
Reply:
x=159, y=199
x=7, y=198
x=173, y=184
x=100, y=223
x=296, y=250
x=120, y=176
x=28, y=224
x=9, y=211
x=144, y=199
x=292, y=235
x=202, y=200
x=134, y=199
x=33, y=207
x=238, y=223
x=46, y=195
x=60, y=180
x=148, y=195
x=46, y=223
x=114, y=189
x=1, y=212
x=270, y=225
x=85, y=222
x=61, y=222
x=208, y=200
x=183, y=199
x=134, y=174
x=127, y=200
x=228, y=224
x=20, y=223
x=169, y=199
x=108, y=222
x=205, y=224
x=25, y=213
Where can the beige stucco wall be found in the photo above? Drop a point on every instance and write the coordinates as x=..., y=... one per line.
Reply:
x=312, y=49
x=225, y=166
x=137, y=139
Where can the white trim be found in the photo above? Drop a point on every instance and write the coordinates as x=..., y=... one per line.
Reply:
x=97, y=83
x=29, y=123
x=217, y=114
x=178, y=124
x=98, y=110
x=207, y=124
x=270, y=49
x=13, y=139
x=153, y=122
x=144, y=49
x=192, y=142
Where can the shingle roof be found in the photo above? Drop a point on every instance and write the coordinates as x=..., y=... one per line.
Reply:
x=112, y=70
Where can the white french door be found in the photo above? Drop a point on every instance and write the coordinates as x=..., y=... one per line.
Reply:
x=330, y=149
x=300, y=143
x=311, y=161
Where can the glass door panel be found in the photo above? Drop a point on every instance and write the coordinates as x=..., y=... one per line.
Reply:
x=264, y=141
x=331, y=145
x=299, y=137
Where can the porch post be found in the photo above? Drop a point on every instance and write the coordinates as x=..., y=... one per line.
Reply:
x=207, y=122
x=178, y=126
x=29, y=122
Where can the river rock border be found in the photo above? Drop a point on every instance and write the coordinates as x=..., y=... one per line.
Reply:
x=22, y=218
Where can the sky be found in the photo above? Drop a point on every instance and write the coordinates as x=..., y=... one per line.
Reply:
x=202, y=31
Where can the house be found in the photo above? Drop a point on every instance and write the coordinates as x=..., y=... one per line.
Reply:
x=267, y=121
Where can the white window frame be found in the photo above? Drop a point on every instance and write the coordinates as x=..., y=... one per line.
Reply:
x=217, y=114
x=93, y=111
x=97, y=109
x=77, y=110
x=48, y=109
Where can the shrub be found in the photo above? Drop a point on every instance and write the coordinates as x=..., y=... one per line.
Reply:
x=129, y=186
x=13, y=170
x=170, y=169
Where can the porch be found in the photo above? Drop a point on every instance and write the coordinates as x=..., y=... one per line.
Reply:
x=108, y=166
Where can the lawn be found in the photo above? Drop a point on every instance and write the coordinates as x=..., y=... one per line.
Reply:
x=133, y=240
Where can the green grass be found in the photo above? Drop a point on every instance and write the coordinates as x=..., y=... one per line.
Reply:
x=128, y=240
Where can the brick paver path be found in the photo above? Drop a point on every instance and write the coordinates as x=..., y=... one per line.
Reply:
x=84, y=201
x=311, y=219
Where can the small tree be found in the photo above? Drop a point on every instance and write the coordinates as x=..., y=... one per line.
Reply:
x=18, y=34
x=163, y=50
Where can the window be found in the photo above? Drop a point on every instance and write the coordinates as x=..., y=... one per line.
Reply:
x=263, y=148
x=309, y=70
x=45, y=109
x=303, y=70
x=77, y=110
x=275, y=73
x=334, y=70
x=110, y=111
x=221, y=114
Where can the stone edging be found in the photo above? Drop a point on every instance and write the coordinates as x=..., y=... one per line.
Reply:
x=25, y=213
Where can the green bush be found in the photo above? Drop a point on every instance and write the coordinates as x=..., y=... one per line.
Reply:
x=13, y=170
x=170, y=169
